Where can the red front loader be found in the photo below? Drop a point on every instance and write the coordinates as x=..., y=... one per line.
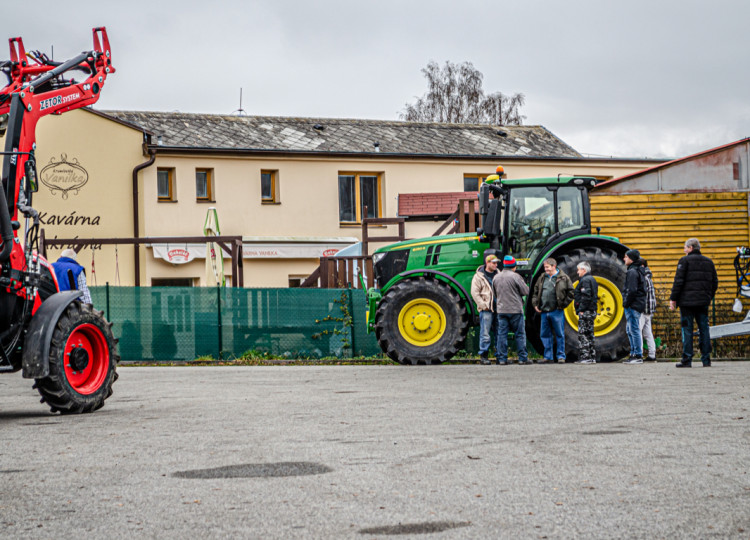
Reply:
x=64, y=344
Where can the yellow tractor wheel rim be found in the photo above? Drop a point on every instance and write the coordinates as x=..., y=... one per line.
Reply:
x=609, y=310
x=422, y=322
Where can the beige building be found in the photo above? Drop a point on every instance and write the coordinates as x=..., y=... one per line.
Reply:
x=295, y=189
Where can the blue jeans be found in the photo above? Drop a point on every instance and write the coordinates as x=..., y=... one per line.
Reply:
x=486, y=331
x=553, y=329
x=700, y=314
x=511, y=322
x=633, y=329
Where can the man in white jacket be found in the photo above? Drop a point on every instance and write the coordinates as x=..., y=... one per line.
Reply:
x=484, y=297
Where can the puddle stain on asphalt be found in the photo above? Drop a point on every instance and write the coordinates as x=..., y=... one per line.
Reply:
x=257, y=470
x=416, y=528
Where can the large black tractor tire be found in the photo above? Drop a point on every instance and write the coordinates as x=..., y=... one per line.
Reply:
x=421, y=321
x=82, y=362
x=611, y=340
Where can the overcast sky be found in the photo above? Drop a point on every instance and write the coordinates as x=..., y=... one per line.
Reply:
x=656, y=78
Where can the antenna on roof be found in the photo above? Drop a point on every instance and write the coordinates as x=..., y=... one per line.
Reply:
x=240, y=111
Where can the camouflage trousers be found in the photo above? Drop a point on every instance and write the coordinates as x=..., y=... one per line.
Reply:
x=586, y=335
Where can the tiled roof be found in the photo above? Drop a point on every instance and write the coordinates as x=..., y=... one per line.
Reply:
x=431, y=204
x=331, y=135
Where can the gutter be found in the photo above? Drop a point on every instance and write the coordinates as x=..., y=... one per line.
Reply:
x=136, y=232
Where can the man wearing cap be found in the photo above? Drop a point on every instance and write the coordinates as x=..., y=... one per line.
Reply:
x=70, y=275
x=694, y=287
x=484, y=297
x=634, y=302
x=510, y=289
x=552, y=294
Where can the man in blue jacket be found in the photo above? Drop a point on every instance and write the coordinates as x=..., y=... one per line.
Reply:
x=71, y=276
x=694, y=287
x=634, y=302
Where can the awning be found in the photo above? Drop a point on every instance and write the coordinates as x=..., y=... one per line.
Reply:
x=259, y=248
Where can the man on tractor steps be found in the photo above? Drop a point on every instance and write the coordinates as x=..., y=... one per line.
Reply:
x=510, y=288
x=484, y=297
x=552, y=294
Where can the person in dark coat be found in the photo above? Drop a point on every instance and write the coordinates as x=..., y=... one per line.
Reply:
x=693, y=290
x=586, y=303
x=634, y=302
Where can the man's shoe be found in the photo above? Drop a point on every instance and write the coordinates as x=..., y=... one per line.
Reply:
x=635, y=360
x=651, y=359
x=707, y=364
x=560, y=361
x=684, y=364
x=585, y=362
x=526, y=363
x=485, y=362
x=502, y=362
x=544, y=361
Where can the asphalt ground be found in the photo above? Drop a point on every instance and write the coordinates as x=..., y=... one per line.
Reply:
x=457, y=451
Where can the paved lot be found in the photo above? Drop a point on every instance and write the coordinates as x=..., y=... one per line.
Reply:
x=371, y=451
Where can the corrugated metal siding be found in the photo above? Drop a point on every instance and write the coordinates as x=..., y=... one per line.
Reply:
x=658, y=224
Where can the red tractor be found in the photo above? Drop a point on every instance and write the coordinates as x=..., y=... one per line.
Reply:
x=64, y=344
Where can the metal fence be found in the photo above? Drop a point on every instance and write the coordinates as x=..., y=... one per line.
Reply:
x=184, y=323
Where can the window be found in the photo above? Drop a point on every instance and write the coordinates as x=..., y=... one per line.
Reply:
x=165, y=184
x=204, y=189
x=358, y=191
x=295, y=280
x=472, y=182
x=569, y=209
x=269, y=185
x=532, y=220
x=172, y=282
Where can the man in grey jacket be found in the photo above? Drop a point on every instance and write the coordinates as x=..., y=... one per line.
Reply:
x=510, y=289
x=482, y=294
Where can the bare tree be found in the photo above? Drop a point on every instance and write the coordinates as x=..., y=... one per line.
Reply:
x=455, y=95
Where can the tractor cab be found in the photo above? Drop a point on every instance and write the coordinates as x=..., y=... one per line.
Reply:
x=523, y=217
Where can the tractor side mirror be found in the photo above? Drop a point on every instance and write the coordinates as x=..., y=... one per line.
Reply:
x=484, y=199
x=491, y=224
x=31, y=181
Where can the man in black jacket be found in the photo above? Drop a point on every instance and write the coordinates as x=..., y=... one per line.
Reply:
x=694, y=287
x=586, y=303
x=634, y=302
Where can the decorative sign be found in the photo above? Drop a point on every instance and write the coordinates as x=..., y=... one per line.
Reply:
x=64, y=176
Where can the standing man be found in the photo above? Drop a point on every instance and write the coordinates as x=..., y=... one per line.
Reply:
x=552, y=294
x=634, y=302
x=694, y=287
x=586, y=304
x=484, y=297
x=510, y=289
x=70, y=275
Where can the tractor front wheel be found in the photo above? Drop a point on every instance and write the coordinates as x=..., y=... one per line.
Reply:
x=421, y=321
x=82, y=362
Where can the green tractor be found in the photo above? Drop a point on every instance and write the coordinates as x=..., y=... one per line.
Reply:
x=421, y=308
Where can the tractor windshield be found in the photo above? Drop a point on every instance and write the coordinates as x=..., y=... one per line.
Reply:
x=532, y=220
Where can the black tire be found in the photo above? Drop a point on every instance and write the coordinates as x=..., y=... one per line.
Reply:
x=610, y=346
x=82, y=362
x=399, y=339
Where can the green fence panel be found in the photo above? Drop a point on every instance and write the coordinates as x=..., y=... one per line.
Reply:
x=184, y=323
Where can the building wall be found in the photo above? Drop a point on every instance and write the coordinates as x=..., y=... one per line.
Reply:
x=79, y=146
x=658, y=225
x=106, y=152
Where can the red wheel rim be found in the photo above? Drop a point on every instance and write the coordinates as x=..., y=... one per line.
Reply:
x=89, y=378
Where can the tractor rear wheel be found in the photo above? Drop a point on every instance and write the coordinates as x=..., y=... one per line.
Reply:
x=82, y=362
x=611, y=340
x=421, y=321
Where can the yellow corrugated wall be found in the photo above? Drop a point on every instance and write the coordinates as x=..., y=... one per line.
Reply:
x=658, y=224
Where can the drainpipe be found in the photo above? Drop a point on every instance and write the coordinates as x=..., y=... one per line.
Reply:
x=136, y=233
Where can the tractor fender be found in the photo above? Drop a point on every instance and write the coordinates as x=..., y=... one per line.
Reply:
x=465, y=297
x=39, y=334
